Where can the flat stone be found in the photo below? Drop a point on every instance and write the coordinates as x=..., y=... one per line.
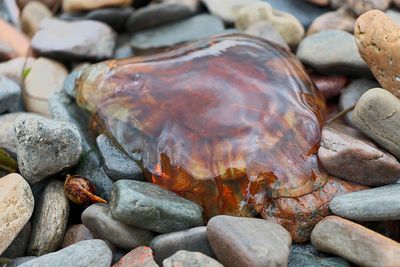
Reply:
x=300, y=260
x=87, y=40
x=98, y=219
x=116, y=163
x=19, y=245
x=377, y=204
x=158, y=14
x=16, y=207
x=361, y=6
x=227, y=10
x=151, y=207
x=50, y=220
x=10, y=93
x=303, y=11
x=264, y=29
x=87, y=253
x=45, y=77
x=115, y=17
x=300, y=215
x=190, y=29
x=377, y=115
x=75, y=234
x=184, y=258
x=39, y=138
x=348, y=154
x=63, y=108
x=78, y=5
x=378, y=47
x=286, y=24
x=13, y=43
x=350, y=95
x=238, y=241
x=32, y=14
x=139, y=257
x=332, y=52
x=342, y=19
x=14, y=68
x=355, y=243
x=194, y=239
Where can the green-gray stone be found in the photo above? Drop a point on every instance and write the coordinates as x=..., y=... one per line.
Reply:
x=297, y=259
x=151, y=207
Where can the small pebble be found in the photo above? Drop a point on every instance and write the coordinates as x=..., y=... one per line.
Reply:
x=184, y=258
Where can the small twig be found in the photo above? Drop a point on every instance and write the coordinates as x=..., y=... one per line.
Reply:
x=341, y=114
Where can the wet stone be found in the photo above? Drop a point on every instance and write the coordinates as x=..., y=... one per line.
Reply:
x=194, y=239
x=116, y=163
x=153, y=208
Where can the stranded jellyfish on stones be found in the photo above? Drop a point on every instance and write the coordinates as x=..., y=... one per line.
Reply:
x=228, y=122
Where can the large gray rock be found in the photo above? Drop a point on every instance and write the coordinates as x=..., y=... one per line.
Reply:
x=350, y=95
x=88, y=253
x=194, y=239
x=184, y=258
x=63, y=108
x=46, y=147
x=87, y=40
x=10, y=94
x=377, y=114
x=377, y=204
x=190, y=29
x=348, y=154
x=157, y=14
x=50, y=220
x=251, y=242
x=333, y=52
x=116, y=163
x=98, y=219
x=151, y=207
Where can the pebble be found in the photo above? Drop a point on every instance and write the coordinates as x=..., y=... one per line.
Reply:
x=227, y=10
x=32, y=14
x=10, y=94
x=75, y=234
x=63, y=108
x=78, y=5
x=87, y=253
x=329, y=86
x=286, y=24
x=361, y=6
x=190, y=29
x=377, y=204
x=184, y=258
x=300, y=215
x=332, y=52
x=14, y=68
x=13, y=43
x=355, y=243
x=352, y=93
x=376, y=36
x=301, y=259
x=139, y=257
x=53, y=5
x=49, y=220
x=39, y=138
x=87, y=40
x=341, y=19
x=20, y=244
x=238, y=241
x=151, y=207
x=16, y=207
x=116, y=163
x=265, y=30
x=348, y=154
x=194, y=239
x=115, y=17
x=45, y=77
x=377, y=115
x=302, y=10
x=158, y=14
x=98, y=219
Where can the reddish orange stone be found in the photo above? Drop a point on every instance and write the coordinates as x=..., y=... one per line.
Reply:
x=227, y=122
